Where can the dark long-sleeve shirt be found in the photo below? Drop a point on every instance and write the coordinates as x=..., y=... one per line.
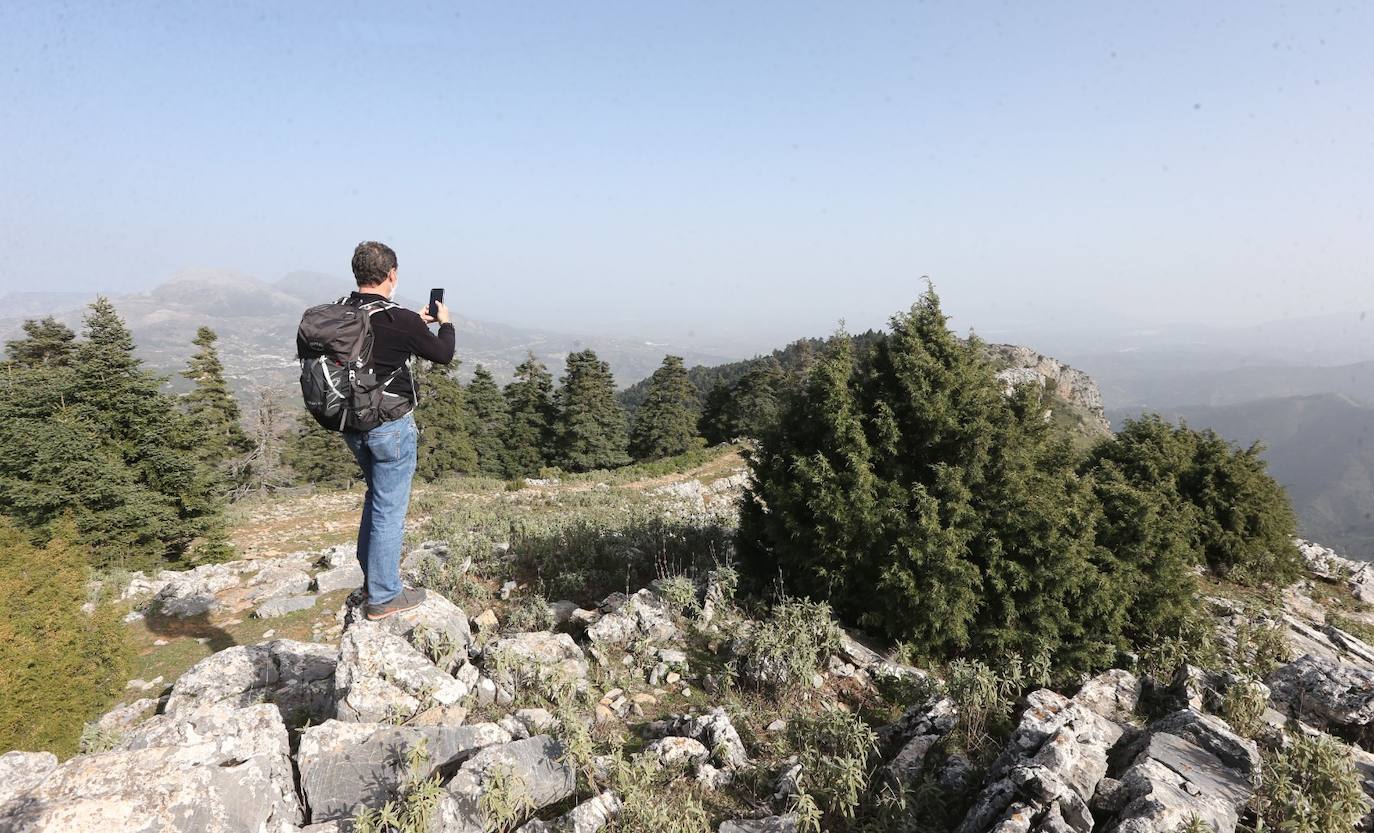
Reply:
x=398, y=334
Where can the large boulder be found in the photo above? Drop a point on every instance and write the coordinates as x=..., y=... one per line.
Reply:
x=437, y=624
x=296, y=677
x=1112, y=694
x=22, y=771
x=914, y=735
x=1323, y=693
x=534, y=767
x=1049, y=768
x=348, y=576
x=643, y=617
x=345, y=767
x=1188, y=765
x=382, y=676
x=214, y=770
x=193, y=592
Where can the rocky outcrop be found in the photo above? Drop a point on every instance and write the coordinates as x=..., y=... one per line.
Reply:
x=345, y=767
x=534, y=769
x=381, y=677
x=643, y=617
x=1022, y=365
x=1323, y=693
x=587, y=817
x=296, y=677
x=1190, y=765
x=216, y=769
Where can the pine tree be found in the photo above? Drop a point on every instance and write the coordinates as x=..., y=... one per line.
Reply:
x=746, y=408
x=666, y=423
x=590, y=431
x=488, y=422
x=529, y=403
x=94, y=437
x=211, y=406
x=318, y=455
x=59, y=667
x=47, y=343
x=445, y=446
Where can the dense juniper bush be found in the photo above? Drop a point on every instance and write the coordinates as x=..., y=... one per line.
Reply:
x=906, y=474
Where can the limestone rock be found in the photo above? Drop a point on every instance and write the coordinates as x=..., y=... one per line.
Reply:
x=283, y=605
x=1191, y=764
x=381, y=675
x=345, y=767
x=641, y=617
x=347, y=576
x=1324, y=693
x=297, y=677
x=124, y=717
x=1112, y=694
x=539, y=655
x=533, y=766
x=587, y=817
x=917, y=731
x=678, y=751
x=277, y=581
x=715, y=732
x=21, y=771
x=214, y=770
x=192, y=592
x=1049, y=768
x=435, y=620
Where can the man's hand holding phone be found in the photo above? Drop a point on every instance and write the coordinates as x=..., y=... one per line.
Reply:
x=435, y=309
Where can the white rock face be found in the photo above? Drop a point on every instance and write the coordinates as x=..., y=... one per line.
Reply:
x=436, y=618
x=192, y=592
x=214, y=770
x=715, y=732
x=1191, y=765
x=1324, y=693
x=297, y=677
x=537, y=655
x=21, y=771
x=641, y=617
x=587, y=817
x=345, y=767
x=277, y=581
x=381, y=675
x=534, y=766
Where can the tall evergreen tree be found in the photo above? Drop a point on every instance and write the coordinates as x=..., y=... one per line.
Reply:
x=666, y=423
x=529, y=403
x=590, y=431
x=746, y=408
x=46, y=343
x=211, y=406
x=907, y=475
x=488, y=422
x=445, y=445
x=96, y=438
x=318, y=455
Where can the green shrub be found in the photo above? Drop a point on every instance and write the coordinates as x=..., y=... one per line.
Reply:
x=785, y=650
x=528, y=612
x=413, y=808
x=59, y=667
x=1311, y=786
x=1243, y=707
x=834, y=748
x=983, y=698
x=680, y=592
x=1260, y=647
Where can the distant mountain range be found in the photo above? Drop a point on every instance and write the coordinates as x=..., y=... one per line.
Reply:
x=256, y=322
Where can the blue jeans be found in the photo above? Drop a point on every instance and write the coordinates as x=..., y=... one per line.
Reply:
x=387, y=457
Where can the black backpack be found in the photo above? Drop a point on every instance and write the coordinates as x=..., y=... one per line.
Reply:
x=338, y=380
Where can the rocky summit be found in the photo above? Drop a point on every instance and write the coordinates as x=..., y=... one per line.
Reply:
x=439, y=721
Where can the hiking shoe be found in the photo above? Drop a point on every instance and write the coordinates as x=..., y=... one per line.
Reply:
x=407, y=599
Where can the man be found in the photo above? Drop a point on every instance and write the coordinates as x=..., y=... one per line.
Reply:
x=387, y=452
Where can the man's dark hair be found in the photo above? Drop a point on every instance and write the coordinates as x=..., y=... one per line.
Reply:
x=371, y=262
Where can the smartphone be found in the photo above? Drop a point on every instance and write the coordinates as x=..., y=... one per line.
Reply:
x=436, y=297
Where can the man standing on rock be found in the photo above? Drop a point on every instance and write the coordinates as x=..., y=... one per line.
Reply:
x=387, y=453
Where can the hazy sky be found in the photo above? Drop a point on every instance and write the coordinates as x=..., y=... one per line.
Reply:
x=654, y=167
